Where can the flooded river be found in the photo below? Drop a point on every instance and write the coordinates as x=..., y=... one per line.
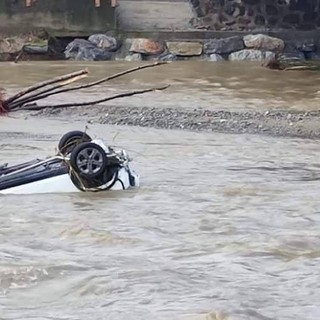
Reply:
x=193, y=84
x=222, y=227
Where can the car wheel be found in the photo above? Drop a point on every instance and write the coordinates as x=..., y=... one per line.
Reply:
x=70, y=140
x=89, y=160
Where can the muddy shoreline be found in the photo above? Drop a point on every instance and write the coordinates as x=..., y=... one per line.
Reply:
x=271, y=123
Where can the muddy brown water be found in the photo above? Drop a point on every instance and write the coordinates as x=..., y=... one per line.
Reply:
x=222, y=227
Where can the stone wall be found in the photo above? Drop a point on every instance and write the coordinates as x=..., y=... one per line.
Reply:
x=59, y=17
x=256, y=14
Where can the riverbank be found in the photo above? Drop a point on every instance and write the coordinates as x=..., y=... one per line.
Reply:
x=271, y=123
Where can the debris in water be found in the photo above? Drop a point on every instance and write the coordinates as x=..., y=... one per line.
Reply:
x=26, y=98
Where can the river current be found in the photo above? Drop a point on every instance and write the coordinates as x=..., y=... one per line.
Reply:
x=222, y=227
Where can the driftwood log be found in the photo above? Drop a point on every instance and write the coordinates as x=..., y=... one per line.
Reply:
x=26, y=98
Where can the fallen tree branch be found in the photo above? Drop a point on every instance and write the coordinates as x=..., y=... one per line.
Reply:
x=40, y=85
x=91, y=84
x=40, y=95
x=83, y=104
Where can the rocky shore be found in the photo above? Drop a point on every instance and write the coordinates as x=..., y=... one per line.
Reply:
x=105, y=47
x=272, y=123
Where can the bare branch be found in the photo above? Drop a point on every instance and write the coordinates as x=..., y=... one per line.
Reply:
x=79, y=104
x=40, y=95
x=88, y=85
x=43, y=84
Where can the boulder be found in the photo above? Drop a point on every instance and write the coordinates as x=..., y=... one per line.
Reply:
x=146, y=46
x=80, y=49
x=103, y=41
x=185, y=48
x=250, y=55
x=223, y=46
x=134, y=57
x=215, y=57
x=263, y=42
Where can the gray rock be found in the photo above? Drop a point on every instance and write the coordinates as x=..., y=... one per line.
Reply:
x=134, y=57
x=103, y=41
x=215, y=57
x=83, y=50
x=223, y=46
x=263, y=42
x=250, y=55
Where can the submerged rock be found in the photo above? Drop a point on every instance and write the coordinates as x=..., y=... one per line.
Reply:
x=146, y=46
x=223, y=46
x=263, y=42
x=185, y=48
x=251, y=55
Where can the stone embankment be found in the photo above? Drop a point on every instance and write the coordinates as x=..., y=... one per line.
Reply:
x=103, y=47
x=256, y=14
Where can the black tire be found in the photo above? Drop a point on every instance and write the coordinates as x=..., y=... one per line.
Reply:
x=70, y=140
x=89, y=160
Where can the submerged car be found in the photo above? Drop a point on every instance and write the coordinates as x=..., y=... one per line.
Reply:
x=81, y=165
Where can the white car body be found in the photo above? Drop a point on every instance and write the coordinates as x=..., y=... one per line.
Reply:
x=123, y=179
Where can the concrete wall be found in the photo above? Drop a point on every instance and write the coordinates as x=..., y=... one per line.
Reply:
x=154, y=15
x=60, y=17
x=257, y=14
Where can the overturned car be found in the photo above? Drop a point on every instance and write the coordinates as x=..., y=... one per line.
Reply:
x=81, y=165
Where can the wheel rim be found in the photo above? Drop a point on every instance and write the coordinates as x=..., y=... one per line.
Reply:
x=89, y=161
